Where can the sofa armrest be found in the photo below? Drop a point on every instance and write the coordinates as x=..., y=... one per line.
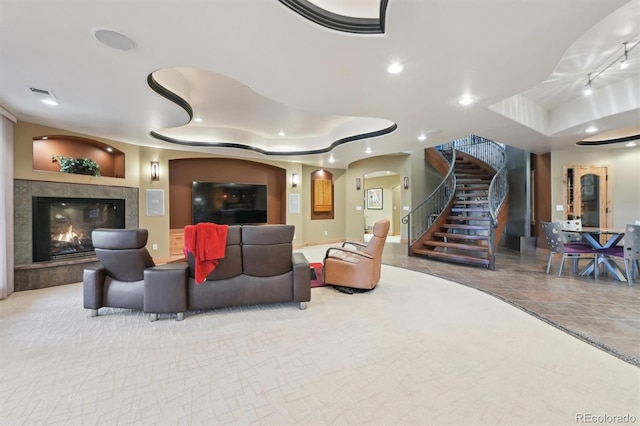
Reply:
x=301, y=278
x=165, y=288
x=92, y=287
x=355, y=244
x=346, y=255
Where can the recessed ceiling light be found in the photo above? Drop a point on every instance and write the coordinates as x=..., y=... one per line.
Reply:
x=49, y=102
x=591, y=129
x=109, y=149
x=281, y=133
x=44, y=138
x=465, y=101
x=114, y=39
x=422, y=137
x=630, y=144
x=368, y=150
x=332, y=160
x=395, y=68
x=198, y=120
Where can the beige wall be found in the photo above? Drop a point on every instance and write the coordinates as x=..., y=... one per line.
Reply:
x=623, y=165
x=138, y=164
x=348, y=222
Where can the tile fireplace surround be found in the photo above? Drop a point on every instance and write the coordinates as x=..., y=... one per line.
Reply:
x=29, y=275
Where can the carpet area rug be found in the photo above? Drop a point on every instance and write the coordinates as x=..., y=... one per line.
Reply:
x=316, y=274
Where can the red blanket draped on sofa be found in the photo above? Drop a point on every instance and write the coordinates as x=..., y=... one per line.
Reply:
x=207, y=242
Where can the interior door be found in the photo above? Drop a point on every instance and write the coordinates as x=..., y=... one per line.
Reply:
x=590, y=198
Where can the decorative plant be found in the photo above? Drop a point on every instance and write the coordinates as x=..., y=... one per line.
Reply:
x=82, y=166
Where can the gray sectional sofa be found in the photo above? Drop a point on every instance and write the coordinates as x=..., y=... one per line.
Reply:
x=259, y=267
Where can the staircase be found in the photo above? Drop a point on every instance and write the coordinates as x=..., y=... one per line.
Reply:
x=463, y=219
x=464, y=235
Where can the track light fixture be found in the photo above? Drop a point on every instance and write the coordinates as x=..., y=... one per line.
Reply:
x=587, y=87
x=624, y=63
x=622, y=59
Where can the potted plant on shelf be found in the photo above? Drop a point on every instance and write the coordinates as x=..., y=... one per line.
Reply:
x=81, y=166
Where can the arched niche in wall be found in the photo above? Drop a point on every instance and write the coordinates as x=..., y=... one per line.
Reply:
x=183, y=172
x=110, y=159
x=321, y=195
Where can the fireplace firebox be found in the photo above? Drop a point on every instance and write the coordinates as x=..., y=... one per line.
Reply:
x=62, y=226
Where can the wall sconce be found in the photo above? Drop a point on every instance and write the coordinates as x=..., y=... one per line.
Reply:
x=155, y=170
x=294, y=180
x=406, y=183
x=358, y=184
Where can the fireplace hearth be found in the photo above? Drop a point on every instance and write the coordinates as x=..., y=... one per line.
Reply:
x=62, y=226
x=32, y=275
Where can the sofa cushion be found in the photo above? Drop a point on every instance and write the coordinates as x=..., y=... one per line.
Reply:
x=267, y=249
x=231, y=265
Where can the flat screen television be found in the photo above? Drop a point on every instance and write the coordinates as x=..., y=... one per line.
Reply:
x=229, y=203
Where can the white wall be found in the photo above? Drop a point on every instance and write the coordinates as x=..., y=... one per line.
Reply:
x=623, y=166
x=6, y=197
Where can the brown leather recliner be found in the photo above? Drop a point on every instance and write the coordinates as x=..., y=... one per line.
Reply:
x=358, y=267
x=128, y=278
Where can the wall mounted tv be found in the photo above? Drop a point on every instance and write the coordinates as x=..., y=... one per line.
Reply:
x=229, y=203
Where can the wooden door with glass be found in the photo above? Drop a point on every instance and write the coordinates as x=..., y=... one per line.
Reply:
x=587, y=195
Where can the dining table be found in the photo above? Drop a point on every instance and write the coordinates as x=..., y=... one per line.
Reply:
x=595, y=237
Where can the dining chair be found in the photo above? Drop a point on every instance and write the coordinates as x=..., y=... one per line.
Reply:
x=558, y=244
x=629, y=252
x=572, y=225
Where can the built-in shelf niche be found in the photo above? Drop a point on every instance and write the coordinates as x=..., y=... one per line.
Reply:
x=110, y=159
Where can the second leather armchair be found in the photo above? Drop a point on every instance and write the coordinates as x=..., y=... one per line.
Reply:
x=357, y=267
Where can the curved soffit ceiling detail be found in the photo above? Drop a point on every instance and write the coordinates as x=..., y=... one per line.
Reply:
x=617, y=136
x=224, y=113
x=311, y=10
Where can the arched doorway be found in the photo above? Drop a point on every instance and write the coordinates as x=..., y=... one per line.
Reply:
x=381, y=190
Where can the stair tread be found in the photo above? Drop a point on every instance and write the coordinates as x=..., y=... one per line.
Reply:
x=460, y=236
x=452, y=257
x=471, y=195
x=470, y=209
x=467, y=218
x=458, y=226
x=461, y=202
x=457, y=246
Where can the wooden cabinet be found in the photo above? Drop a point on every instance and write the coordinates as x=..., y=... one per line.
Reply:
x=322, y=195
x=176, y=241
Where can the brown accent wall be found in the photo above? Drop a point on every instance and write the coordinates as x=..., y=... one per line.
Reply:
x=183, y=172
x=541, y=196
